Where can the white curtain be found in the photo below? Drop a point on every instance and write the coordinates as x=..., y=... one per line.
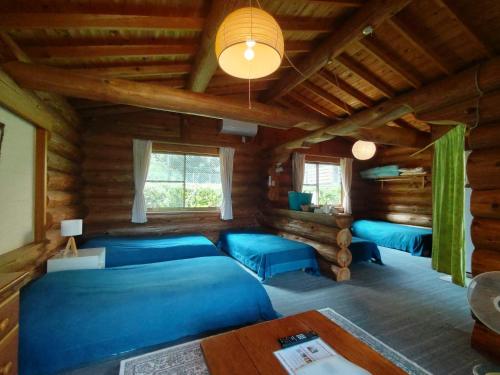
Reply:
x=142, y=155
x=346, y=170
x=298, y=165
x=226, y=155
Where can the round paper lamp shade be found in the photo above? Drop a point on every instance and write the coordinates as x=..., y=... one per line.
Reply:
x=363, y=150
x=71, y=227
x=249, y=44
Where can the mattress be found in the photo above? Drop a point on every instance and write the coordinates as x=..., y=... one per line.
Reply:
x=124, y=251
x=268, y=254
x=364, y=250
x=415, y=240
x=71, y=318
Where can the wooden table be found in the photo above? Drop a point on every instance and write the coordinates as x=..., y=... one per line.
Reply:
x=250, y=350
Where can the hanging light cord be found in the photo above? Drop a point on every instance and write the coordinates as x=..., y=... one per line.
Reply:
x=251, y=36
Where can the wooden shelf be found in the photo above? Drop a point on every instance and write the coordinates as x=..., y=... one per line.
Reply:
x=419, y=178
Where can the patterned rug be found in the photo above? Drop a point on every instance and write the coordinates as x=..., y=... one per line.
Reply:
x=187, y=359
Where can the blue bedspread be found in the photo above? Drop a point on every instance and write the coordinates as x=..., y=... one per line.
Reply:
x=268, y=254
x=417, y=241
x=73, y=317
x=364, y=250
x=124, y=251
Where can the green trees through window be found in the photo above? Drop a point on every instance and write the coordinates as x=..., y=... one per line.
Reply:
x=324, y=182
x=183, y=181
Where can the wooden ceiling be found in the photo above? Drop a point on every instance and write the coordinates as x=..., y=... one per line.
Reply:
x=162, y=41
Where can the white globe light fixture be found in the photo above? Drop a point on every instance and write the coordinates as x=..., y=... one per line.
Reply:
x=249, y=44
x=363, y=150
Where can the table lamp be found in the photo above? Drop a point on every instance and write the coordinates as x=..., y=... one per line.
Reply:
x=70, y=228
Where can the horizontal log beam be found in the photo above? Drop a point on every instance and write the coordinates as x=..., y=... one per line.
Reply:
x=442, y=93
x=155, y=96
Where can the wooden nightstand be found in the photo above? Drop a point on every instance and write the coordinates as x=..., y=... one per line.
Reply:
x=9, y=318
x=86, y=259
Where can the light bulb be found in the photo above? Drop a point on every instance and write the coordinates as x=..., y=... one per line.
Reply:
x=250, y=43
x=249, y=54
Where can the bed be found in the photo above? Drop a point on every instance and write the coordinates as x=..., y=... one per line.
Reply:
x=364, y=251
x=267, y=254
x=415, y=240
x=70, y=318
x=124, y=251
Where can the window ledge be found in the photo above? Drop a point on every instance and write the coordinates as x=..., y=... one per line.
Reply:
x=180, y=211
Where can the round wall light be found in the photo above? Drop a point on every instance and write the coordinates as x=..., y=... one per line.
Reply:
x=363, y=150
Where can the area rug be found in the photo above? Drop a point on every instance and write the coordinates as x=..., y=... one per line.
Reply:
x=187, y=359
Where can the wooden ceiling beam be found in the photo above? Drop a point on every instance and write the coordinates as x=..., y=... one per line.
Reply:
x=64, y=82
x=375, y=48
x=404, y=124
x=57, y=102
x=453, y=11
x=346, y=87
x=440, y=94
x=160, y=48
x=372, y=13
x=341, y=3
x=330, y=98
x=96, y=21
x=311, y=104
x=238, y=88
x=413, y=37
x=137, y=71
x=205, y=63
x=366, y=75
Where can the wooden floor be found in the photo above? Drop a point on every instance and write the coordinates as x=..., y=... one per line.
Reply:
x=403, y=303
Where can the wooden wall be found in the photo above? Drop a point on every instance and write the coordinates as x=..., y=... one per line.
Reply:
x=400, y=201
x=64, y=182
x=483, y=172
x=108, y=174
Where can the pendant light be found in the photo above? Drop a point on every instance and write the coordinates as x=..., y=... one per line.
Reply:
x=249, y=44
x=363, y=150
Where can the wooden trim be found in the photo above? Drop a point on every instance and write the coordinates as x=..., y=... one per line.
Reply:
x=40, y=183
x=323, y=159
x=29, y=258
x=185, y=149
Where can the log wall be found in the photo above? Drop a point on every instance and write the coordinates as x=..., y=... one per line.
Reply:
x=108, y=174
x=483, y=172
x=64, y=181
x=400, y=201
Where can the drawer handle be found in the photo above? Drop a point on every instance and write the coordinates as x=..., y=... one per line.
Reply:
x=4, y=324
x=7, y=368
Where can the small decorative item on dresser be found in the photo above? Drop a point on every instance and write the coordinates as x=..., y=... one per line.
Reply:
x=70, y=228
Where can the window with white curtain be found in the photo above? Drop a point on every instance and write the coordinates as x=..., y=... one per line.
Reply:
x=183, y=181
x=324, y=182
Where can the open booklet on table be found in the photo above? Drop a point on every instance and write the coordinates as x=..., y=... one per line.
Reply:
x=316, y=358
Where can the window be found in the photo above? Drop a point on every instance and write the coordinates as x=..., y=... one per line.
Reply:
x=178, y=181
x=324, y=182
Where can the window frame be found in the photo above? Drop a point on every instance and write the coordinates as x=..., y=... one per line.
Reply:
x=317, y=163
x=175, y=149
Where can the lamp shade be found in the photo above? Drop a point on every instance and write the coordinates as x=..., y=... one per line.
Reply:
x=71, y=227
x=249, y=44
x=363, y=150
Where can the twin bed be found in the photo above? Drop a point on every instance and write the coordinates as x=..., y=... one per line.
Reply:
x=154, y=290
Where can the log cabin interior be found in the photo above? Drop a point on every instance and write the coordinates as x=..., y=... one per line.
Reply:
x=185, y=182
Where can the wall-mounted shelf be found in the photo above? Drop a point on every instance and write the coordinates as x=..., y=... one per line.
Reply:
x=417, y=179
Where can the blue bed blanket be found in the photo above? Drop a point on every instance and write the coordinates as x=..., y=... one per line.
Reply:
x=71, y=318
x=124, y=251
x=415, y=240
x=268, y=254
x=364, y=250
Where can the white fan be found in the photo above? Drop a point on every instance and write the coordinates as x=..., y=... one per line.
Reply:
x=484, y=300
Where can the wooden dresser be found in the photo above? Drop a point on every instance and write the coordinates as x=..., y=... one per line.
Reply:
x=10, y=283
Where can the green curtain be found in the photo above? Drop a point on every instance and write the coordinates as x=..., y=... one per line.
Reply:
x=448, y=235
